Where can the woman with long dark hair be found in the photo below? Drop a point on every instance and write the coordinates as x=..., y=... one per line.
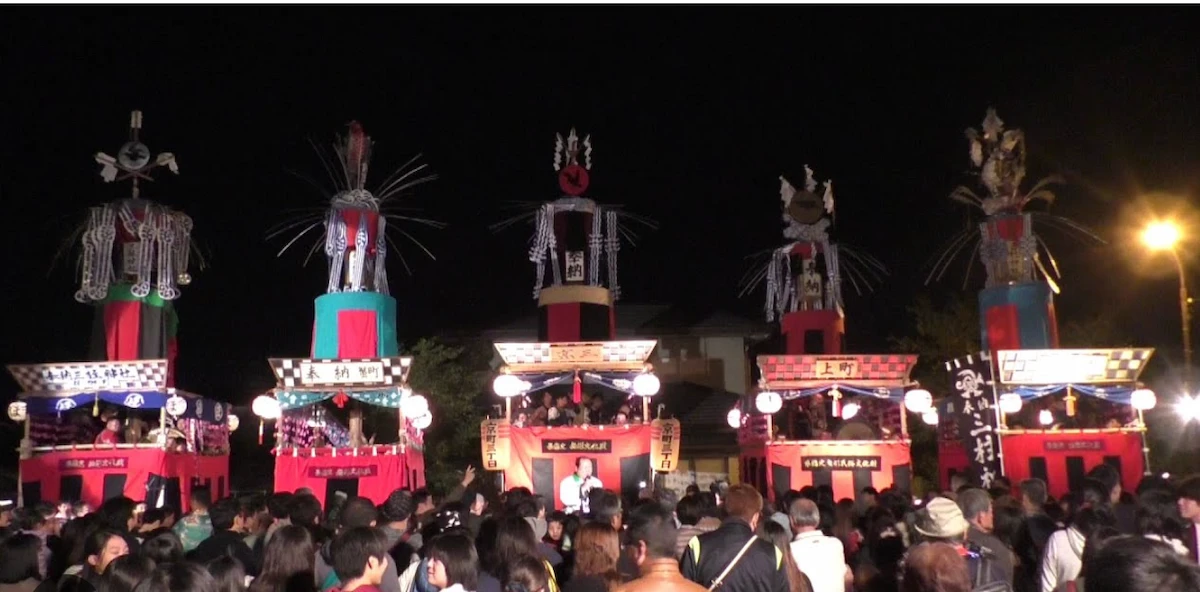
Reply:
x=452, y=563
x=289, y=561
x=178, y=577
x=125, y=573
x=774, y=533
x=100, y=548
x=19, y=566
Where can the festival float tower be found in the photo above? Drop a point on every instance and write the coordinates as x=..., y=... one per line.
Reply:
x=852, y=431
x=1020, y=366
x=574, y=250
x=134, y=259
x=355, y=355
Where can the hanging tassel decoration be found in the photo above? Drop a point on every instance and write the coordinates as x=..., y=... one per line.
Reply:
x=338, y=259
x=340, y=399
x=381, y=284
x=1070, y=402
x=612, y=247
x=577, y=390
x=96, y=406
x=594, y=240
x=541, y=241
x=260, y=431
x=836, y=395
x=358, y=257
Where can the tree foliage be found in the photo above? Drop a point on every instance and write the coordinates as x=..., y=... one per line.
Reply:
x=454, y=378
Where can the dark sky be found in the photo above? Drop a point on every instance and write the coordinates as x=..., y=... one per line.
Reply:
x=693, y=112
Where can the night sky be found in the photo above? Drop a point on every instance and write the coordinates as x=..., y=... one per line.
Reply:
x=693, y=113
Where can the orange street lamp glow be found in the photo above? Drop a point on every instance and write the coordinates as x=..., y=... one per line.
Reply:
x=1161, y=236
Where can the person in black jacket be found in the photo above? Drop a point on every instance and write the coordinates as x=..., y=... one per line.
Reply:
x=761, y=568
x=227, y=537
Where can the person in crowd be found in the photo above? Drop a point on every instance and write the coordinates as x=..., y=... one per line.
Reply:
x=941, y=520
x=561, y=414
x=1138, y=564
x=33, y=521
x=289, y=562
x=977, y=509
x=574, y=490
x=752, y=562
x=228, y=574
x=526, y=574
x=597, y=550
x=19, y=570
x=404, y=542
x=229, y=525
x=163, y=547
x=845, y=520
x=357, y=512
x=781, y=537
x=935, y=567
x=688, y=512
x=1033, y=496
x=196, y=525
x=453, y=563
x=178, y=577
x=541, y=414
x=100, y=548
x=278, y=504
x=1158, y=518
x=120, y=514
x=650, y=544
x=152, y=520
x=306, y=511
x=360, y=559
x=822, y=559
x=125, y=573
x=1189, y=511
x=258, y=519
x=1063, y=558
x=111, y=434
x=555, y=533
x=1090, y=548
x=1125, y=513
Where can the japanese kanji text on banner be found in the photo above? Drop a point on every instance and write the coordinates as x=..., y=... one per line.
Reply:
x=971, y=383
x=496, y=441
x=664, y=444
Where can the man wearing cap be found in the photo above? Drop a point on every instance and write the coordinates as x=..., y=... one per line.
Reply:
x=942, y=521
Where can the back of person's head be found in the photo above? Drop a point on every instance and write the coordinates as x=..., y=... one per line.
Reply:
x=651, y=526
x=973, y=502
x=305, y=509
x=1138, y=564
x=224, y=513
x=1189, y=488
x=357, y=512
x=689, y=510
x=526, y=574
x=178, y=577
x=200, y=498
x=743, y=502
x=1107, y=475
x=1158, y=514
x=116, y=512
x=1093, y=493
x=28, y=518
x=163, y=547
x=125, y=573
x=356, y=549
x=398, y=506
x=1091, y=518
x=20, y=558
x=1034, y=490
x=935, y=567
x=774, y=532
x=456, y=552
x=228, y=573
x=1095, y=542
x=1007, y=520
x=597, y=548
x=279, y=504
x=290, y=551
x=604, y=506
x=803, y=513
x=514, y=538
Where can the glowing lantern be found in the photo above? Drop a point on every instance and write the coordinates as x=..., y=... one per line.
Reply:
x=918, y=400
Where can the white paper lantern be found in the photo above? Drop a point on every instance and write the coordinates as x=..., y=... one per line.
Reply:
x=768, y=402
x=233, y=422
x=266, y=407
x=1045, y=417
x=507, y=386
x=1143, y=399
x=849, y=410
x=176, y=405
x=1010, y=403
x=930, y=417
x=423, y=421
x=734, y=418
x=918, y=400
x=414, y=406
x=646, y=385
x=18, y=411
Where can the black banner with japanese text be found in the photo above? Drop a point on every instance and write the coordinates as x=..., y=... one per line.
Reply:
x=975, y=407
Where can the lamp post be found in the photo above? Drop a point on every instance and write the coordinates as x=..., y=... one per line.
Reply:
x=1165, y=236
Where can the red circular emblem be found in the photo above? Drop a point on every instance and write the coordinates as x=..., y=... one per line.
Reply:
x=573, y=179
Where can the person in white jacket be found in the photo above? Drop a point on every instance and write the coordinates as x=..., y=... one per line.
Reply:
x=573, y=491
x=1063, y=559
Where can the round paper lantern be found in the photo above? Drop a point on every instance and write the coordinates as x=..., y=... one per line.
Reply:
x=918, y=400
x=1143, y=399
x=507, y=386
x=233, y=422
x=734, y=418
x=423, y=421
x=176, y=405
x=1010, y=403
x=768, y=402
x=1045, y=417
x=414, y=406
x=930, y=417
x=18, y=411
x=849, y=410
x=266, y=407
x=646, y=385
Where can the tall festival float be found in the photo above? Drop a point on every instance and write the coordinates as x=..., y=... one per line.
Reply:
x=134, y=258
x=574, y=248
x=354, y=362
x=1021, y=407
x=820, y=415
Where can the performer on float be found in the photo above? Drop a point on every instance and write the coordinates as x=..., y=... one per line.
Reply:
x=574, y=490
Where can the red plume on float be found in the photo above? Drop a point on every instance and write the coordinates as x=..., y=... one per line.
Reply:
x=356, y=233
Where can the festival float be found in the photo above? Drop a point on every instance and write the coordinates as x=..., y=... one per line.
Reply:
x=355, y=360
x=134, y=258
x=844, y=424
x=1015, y=407
x=575, y=248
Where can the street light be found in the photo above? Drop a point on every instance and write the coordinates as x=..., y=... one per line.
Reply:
x=1166, y=236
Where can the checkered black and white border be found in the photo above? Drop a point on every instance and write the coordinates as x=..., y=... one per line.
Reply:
x=871, y=367
x=532, y=354
x=288, y=372
x=86, y=377
x=1122, y=365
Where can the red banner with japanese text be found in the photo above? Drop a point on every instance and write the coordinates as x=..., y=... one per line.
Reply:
x=372, y=472
x=1062, y=459
x=94, y=475
x=542, y=457
x=847, y=466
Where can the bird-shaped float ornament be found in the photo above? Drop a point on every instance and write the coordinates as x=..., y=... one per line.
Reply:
x=134, y=240
x=355, y=222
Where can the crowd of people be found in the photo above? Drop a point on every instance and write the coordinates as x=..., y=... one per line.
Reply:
x=1098, y=538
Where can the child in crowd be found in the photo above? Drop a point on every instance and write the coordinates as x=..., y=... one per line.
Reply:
x=556, y=535
x=360, y=558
